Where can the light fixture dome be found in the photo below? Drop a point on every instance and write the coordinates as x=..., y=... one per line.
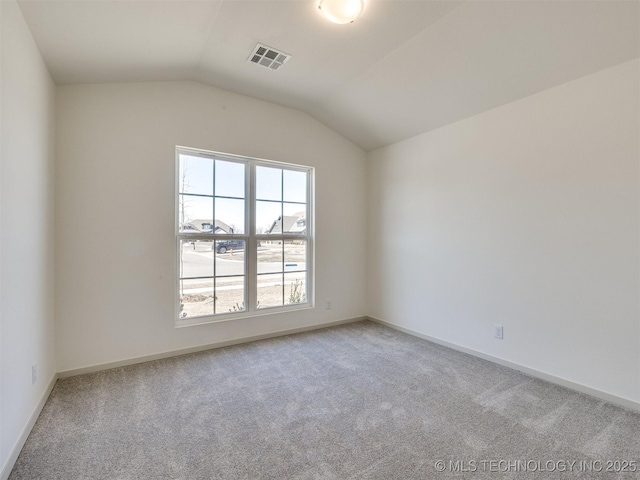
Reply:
x=341, y=11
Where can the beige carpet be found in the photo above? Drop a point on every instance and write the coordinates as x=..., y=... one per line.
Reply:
x=359, y=401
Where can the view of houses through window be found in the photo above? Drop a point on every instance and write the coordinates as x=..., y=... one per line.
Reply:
x=243, y=235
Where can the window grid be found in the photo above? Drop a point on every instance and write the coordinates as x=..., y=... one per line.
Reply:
x=252, y=239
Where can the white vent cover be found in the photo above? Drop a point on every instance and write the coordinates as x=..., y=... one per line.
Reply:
x=268, y=57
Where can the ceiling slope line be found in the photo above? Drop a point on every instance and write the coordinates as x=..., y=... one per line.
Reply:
x=211, y=23
x=361, y=72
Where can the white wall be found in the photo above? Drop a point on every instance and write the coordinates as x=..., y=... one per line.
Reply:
x=525, y=216
x=115, y=213
x=27, y=240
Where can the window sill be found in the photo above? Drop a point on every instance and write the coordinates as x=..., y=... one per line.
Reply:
x=190, y=322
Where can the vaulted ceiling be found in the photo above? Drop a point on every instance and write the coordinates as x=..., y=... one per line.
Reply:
x=403, y=68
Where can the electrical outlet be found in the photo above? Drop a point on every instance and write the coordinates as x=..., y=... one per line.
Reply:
x=328, y=304
x=34, y=373
x=497, y=331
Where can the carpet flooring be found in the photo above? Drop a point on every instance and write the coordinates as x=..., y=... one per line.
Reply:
x=357, y=401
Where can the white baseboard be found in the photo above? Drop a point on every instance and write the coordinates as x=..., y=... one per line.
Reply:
x=17, y=447
x=578, y=387
x=15, y=451
x=200, y=348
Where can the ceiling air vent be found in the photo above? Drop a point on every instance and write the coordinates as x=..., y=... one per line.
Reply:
x=268, y=57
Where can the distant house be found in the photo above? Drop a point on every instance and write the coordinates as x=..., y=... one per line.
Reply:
x=296, y=223
x=203, y=225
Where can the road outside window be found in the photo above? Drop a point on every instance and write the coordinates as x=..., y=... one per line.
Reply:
x=244, y=236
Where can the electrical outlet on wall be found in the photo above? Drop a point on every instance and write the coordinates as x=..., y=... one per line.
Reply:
x=328, y=304
x=497, y=331
x=34, y=373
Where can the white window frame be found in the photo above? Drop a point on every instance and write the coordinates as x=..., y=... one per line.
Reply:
x=250, y=237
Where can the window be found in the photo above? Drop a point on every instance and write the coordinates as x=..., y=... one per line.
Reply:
x=244, y=236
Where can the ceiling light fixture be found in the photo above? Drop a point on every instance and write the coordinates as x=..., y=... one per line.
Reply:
x=341, y=11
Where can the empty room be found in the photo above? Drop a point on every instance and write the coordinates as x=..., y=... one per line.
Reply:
x=319, y=239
